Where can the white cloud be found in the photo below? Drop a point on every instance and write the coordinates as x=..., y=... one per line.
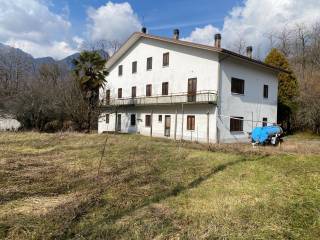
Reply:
x=253, y=20
x=78, y=41
x=34, y=28
x=203, y=35
x=55, y=49
x=113, y=21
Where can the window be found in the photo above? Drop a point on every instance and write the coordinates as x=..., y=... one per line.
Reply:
x=149, y=90
x=134, y=67
x=107, y=118
x=236, y=124
x=160, y=118
x=133, y=119
x=148, y=120
x=265, y=91
x=165, y=60
x=149, y=63
x=165, y=88
x=108, y=97
x=120, y=70
x=190, y=122
x=237, y=86
x=119, y=92
x=264, y=122
x=133, y=92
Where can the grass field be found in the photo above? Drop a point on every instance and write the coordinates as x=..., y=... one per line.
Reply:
x=54, y=186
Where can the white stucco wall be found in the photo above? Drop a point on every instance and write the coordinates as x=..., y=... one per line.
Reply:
x=185, y=63
x=251, y=103
x=199, y=111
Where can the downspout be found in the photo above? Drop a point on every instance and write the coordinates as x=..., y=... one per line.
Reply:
x=219, y=97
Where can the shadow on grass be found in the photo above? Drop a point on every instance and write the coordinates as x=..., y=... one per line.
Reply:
x=179, y=189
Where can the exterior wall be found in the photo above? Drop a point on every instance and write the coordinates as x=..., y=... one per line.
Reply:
x=9, y=124
x=251, y=104
x=185, y=63
x=199, y=111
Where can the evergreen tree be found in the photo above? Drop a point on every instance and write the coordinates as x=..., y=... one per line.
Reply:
x=288, y=88
x=91, y=74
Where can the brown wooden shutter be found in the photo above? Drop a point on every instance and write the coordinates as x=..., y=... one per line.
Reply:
x=148, y=120
x=119, y=92
x=236, y=124
x=120, y=70
x=190, y=122
x=165, y=59
x=149, y=63
x=134, y=92
x=148, y=90
x=134, y=67
x=165, y=88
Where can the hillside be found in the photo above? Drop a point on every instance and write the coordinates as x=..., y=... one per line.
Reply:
x=9, y=55
x=53, y=186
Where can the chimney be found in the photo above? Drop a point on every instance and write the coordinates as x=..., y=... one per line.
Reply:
x=144, y=30
x=176, y=34
x=217, y=40
x=249, y=52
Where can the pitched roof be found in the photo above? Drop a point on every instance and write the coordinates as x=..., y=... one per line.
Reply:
x=138, y=35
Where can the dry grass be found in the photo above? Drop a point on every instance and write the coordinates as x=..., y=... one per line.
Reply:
x=156, y=189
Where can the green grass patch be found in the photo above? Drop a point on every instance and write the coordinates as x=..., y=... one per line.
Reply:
x=153, y=189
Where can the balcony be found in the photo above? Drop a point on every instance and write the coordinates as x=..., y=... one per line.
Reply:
x=201, y=97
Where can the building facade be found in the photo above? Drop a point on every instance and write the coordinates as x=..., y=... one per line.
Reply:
x=175, y=89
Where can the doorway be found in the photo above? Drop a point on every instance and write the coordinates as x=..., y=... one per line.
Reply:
x=192, y=89
x=167, y=125
x=119, y=123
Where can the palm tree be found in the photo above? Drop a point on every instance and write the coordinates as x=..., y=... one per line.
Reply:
x=91, y=74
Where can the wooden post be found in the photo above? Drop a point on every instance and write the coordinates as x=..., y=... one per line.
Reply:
x=182, y=115
x=208, y=121
x=252, y=122
x=116, y=123
x=175, y=125
x=151, y=123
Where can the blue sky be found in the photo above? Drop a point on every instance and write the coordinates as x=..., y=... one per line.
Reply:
x=59, y=28
x=159, y=16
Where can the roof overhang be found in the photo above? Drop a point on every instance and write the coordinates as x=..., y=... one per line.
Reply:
x=224, y=52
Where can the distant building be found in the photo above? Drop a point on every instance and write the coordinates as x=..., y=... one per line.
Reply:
x=170, y=88
x=8, y=123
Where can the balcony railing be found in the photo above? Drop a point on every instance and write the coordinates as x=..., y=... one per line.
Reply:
x=209, y=97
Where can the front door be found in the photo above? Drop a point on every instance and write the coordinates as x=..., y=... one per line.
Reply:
x=192, y=89
x=167, y=125
x=119, y=123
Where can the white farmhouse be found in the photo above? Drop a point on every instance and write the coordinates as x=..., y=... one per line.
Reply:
x=170, y=88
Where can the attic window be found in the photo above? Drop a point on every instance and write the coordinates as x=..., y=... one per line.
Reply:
x=166, y=59
x=120, y=70
x=149, y=63
x=134, y=67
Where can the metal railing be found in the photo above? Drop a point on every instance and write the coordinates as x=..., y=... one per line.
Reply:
x=198, y=97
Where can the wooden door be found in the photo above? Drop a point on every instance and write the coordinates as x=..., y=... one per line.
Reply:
x=192, y=89
x=167, y=125
x=119, y=123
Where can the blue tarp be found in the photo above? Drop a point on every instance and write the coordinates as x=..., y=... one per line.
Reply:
x=262, y=134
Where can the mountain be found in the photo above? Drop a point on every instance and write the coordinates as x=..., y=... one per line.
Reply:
x=9, y=55
x=68, y=60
